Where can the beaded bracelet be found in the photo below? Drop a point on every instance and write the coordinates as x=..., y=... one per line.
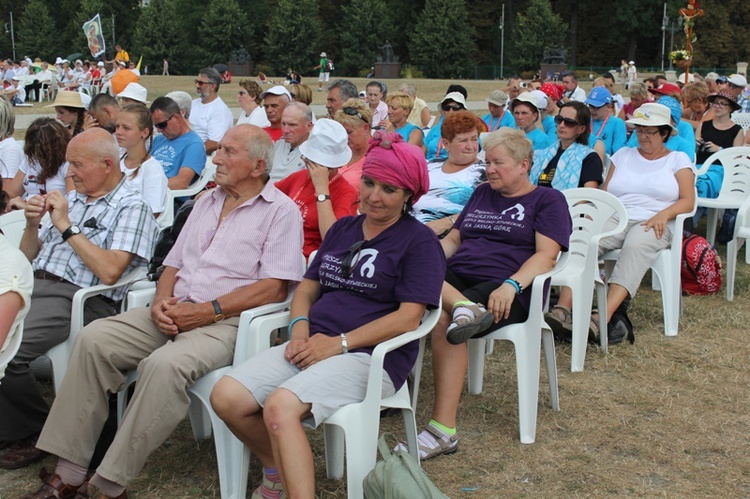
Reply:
x=296, y=320
x=515, y=284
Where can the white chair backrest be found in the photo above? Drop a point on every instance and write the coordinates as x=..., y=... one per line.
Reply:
x=589, y=210
x=13, y=225
x=742, y=119
x=743, y=217
x=736, y=163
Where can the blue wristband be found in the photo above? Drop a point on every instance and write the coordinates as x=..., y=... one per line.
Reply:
x=515, y=284
x=296, y=320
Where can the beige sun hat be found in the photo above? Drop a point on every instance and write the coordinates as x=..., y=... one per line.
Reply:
x=651, y=114
x=68, y=98
x=497, y=97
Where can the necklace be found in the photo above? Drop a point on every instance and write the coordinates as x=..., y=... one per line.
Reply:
x=656, y=156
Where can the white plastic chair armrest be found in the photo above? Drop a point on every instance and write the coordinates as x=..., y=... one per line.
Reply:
x=249, y=341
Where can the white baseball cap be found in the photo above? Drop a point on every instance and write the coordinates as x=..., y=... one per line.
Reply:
x=134, y=91
x=277, y=90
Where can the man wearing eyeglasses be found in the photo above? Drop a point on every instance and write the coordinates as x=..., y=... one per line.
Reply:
x=210, y=117
x=179, y=149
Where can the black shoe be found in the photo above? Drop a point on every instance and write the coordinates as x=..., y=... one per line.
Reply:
x=620, y=328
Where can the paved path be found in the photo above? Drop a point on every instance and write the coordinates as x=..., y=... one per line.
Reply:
x=24, y=120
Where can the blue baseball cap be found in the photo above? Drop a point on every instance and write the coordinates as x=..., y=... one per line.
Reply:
x=599, y=96
x=675, y=108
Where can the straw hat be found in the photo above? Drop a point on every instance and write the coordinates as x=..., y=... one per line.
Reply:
x=68, y=98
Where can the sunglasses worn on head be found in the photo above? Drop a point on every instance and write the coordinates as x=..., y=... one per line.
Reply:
x=162, y=125
x=350, y=111
x=452, y=107
x=569, y=122
x=348, y=262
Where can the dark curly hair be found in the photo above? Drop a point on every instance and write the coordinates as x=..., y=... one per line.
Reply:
x=45, y=143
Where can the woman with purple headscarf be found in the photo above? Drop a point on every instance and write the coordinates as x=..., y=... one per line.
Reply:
x=371, y=280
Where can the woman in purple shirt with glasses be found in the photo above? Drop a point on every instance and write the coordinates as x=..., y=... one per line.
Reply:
x=371, y=280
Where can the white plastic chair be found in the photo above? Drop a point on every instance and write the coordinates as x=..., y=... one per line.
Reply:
x=59, y=355
x=741, y=234
x=735, y=187
x=203, y=419
x=527, y=338
x=207, y=175
x=666, y=269
x=354, y=427
x=7, y=355
x=14, y=223
x=590, y=209
x=742, y=119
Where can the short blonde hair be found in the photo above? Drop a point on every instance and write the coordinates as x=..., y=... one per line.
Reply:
x=354, y=121
x=400, y=99
x=639, y=90
x=515, y=142
x=697, y=90
x=304, y=93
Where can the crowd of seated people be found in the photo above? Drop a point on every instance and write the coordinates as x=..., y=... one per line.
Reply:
x=369, y=179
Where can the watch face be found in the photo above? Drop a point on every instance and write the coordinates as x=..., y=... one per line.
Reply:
x=322, y=197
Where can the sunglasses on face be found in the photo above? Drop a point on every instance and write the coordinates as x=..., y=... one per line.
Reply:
x=350, y=111
x=162, y=125
x=201, y=83
x=452, y=107
x=568, y=122
x=348, y=261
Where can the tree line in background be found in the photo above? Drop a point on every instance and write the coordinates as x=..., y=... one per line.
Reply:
x=439, y=38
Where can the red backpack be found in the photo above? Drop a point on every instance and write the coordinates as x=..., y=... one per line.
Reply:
x=701, y=266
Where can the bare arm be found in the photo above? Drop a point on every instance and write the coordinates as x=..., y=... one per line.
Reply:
x=10, y=304
x=211, y=146
x=15, y=188
x=739, y=139
x=182, y=180
x=425, y=116
x=451, y=242
x=543, y=260
x=415, y=137
x=684, y=204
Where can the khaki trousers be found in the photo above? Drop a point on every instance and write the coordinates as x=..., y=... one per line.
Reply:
x=104, y=351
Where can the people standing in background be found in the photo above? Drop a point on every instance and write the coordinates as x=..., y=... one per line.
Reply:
x=632, y=73
x=165, y=67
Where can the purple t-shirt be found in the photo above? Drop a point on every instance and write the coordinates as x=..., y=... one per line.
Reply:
x=498, y=233
x=404, y=263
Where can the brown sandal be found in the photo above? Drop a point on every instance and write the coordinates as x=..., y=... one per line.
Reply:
x=23, y=453
x=52, y=487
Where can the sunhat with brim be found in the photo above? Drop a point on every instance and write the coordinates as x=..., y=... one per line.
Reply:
x=322, y=54
x=652, y=114
x=527, y=98
x=328, y=144
x=666, y=89
x=725, y=95
x=66, y=98
x=277, y=90
x=134, y=91
x=456, y=97
x=497, y=97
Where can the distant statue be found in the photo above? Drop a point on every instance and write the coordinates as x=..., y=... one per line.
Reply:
x=387, y=52
x=555, y=56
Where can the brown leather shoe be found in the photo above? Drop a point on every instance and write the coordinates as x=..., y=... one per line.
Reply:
x=88, y=491
x=21, y=454
x=52, y=488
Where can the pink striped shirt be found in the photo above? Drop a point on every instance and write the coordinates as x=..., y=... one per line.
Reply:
x=260, y=239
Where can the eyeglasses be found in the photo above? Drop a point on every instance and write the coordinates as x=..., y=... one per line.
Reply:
x=648, y=133
x=350, y=111
x=164, y=123
x=569, y=122
x=348, y=261
x=720, y=103
x=201, y=83
x=294, y=96
x=449, y=107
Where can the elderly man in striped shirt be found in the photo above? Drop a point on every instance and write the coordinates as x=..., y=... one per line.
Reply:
x=240, y=248
x=96, y=234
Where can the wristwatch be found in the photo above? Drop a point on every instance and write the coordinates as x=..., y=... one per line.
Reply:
x=70, y=232
x=219, y=314
x=322, y=197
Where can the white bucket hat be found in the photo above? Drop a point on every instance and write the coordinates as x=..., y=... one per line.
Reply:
x=328, y=144
x=651, y=114
x=134, y=91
